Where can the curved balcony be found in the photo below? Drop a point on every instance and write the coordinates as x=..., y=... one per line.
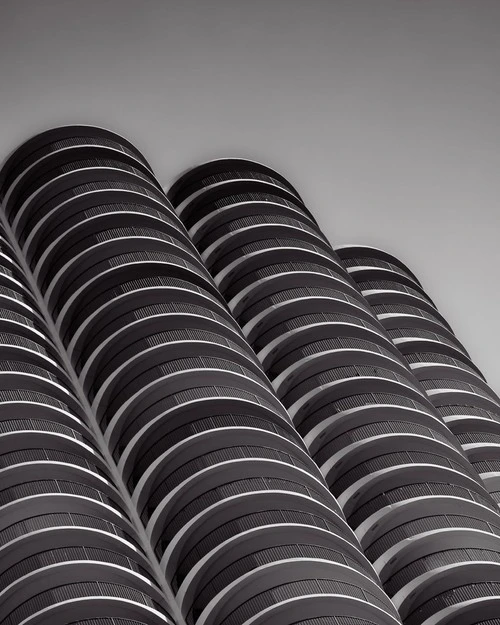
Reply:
x=448, y=591
x=27, y=327
x=344, y=427
x=335, y=390
x=130, y=300
x=386, y=278
x=247, y=210
x=454, y=377
x=232, y=192
x=62, y=138
x=89, y=203
x=204, y=413
x=442, y=365
x=87, y=592
x=371, y=499
x=251, y=595
x=374, y=454
x=218, y=170
x=255, y=255
x=15, y=287
x=94, y=227
x=148, y=324
x=63, y=182
x=159, y=483
x=194, y=453
x=364, y=255
x=103, y=244
x=176, y=345
x=333, y=345
x=392, y=298
x=419, y=324
x=223, y=230
x=276, y=300
x=263, y=264
x=220, y=481
x=114, y=276
x=385, y=533
x=174, y=376
x=49, y=167
x=375, y=291
x=17, y=348
x=272, y=332
x=279, y=279
x=264, y=321
x=273, y=542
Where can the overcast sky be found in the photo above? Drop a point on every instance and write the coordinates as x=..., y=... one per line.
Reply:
x=384, y=114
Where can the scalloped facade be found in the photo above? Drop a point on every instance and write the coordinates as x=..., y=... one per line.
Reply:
x=206, y=420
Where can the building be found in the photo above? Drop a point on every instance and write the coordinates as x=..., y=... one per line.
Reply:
x=422, y=514
x=111, y=316
x=202, y=419
x=453, y=383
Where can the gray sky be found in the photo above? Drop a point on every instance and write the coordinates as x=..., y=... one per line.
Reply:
x=385, y=114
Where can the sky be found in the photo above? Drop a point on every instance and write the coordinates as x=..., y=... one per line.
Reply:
x=384, y=114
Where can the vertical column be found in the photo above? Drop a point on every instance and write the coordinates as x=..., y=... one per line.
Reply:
x=417, y=505
x=235, y=509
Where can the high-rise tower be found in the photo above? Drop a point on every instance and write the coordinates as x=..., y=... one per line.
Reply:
x=119, y=334
x=69, y=551
x=416, y=503
x=456, y=387
x=206, y=420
